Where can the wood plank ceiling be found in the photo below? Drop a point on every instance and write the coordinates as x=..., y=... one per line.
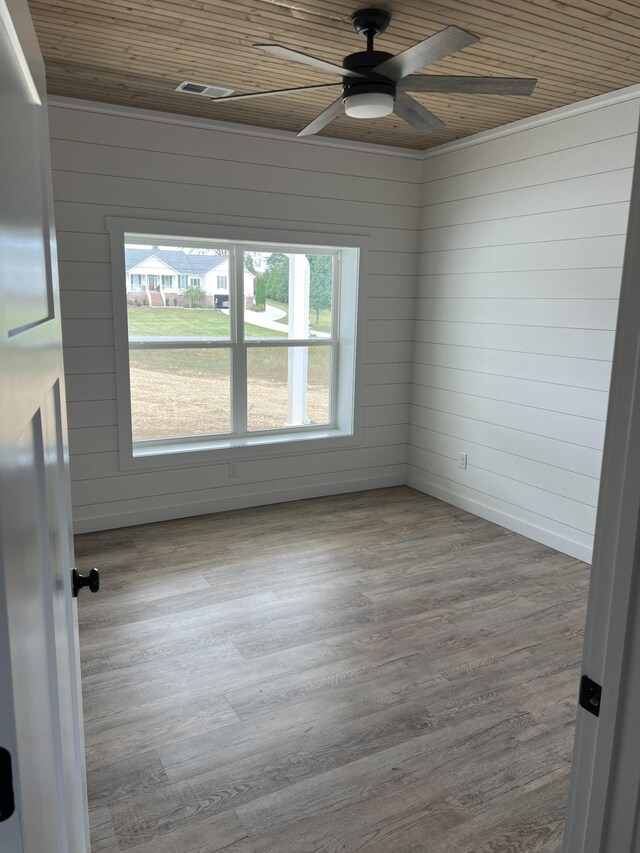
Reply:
x=135, y=52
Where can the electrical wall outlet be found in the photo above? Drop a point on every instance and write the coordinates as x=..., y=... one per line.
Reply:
x=234, y=469
x=462, y=460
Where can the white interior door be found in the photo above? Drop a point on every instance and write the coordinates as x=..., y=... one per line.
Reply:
x=604, y=804
x=40, y=711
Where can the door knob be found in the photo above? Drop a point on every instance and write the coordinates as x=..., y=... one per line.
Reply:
x=92, y=580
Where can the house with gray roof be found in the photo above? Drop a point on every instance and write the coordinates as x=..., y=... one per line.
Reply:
x=162, y=276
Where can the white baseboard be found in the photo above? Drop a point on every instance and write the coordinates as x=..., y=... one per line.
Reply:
x=147, y=516
x=504, y=519
x=273, y=496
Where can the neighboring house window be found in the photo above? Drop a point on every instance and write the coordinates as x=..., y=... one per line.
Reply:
x=137, y=282
x=222, y=282
x=167, y=282
x=182, y=282
x=273, y=367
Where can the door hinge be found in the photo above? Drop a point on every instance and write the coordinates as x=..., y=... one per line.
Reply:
x=590, y=695
x=7, y=799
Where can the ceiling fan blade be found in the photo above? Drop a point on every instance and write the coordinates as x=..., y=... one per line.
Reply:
x=469, y=85
x=426, y=52
x=415, y=114
x=296, y=56
x=324, y=118
x=275, y=92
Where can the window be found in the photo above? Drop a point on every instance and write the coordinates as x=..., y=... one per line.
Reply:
x=222, y=282
x=137, y=282
x=182, y=282
x=272, y=360
x=167, y=282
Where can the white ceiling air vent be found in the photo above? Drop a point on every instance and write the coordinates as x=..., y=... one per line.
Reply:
x=192, y=88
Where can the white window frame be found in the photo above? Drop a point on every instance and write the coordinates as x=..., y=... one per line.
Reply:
x=348, y=375
x=222, y=282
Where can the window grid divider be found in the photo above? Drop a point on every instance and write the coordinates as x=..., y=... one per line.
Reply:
x=195, y=343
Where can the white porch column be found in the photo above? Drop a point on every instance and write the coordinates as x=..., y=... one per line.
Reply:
x=298, y=328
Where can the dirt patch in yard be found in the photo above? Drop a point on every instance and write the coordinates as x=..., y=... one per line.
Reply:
x=169, y=404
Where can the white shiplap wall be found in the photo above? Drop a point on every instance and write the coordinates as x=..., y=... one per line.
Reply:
x=119, y=165
x=515, y=242
x=521, y=249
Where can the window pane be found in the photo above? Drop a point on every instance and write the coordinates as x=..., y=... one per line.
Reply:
x=172, y=290
x=288, y=386
x=180, y=392
x=288, y=295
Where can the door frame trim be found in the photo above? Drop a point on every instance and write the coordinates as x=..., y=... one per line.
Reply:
x=605, y=781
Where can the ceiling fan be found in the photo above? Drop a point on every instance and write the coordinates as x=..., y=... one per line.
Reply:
x=376, y=83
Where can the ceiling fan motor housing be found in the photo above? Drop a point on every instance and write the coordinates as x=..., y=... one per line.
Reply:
x=366, y=61
x=370, y=22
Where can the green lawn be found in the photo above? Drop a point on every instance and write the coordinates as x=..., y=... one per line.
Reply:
x=324, y=324
x=264, y=363
x=186, y=322
x=271, y=363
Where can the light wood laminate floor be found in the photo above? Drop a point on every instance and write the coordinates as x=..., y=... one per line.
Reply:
x=378, y=671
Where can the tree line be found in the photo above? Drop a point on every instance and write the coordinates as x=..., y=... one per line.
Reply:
x=273, y=282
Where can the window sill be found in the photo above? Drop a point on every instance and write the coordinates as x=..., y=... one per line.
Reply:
x=184, y=454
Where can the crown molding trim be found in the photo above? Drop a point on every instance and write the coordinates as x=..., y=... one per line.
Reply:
x=599, y=102
x=228, y=127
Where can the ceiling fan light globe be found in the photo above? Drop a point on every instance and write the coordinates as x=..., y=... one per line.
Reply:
x=369, y=105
